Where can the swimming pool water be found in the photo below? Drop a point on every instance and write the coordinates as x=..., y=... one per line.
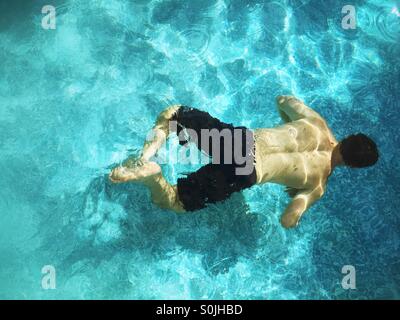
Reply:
x=75, y=101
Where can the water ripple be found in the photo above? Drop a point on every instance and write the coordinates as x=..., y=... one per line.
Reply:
x=388, y=25
x=196, y=40
x=140, y=70
x=381, y=23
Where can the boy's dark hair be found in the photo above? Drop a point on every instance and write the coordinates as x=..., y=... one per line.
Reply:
x=358, y=151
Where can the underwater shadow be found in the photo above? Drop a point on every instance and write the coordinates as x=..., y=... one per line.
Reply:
x=112, y=219
x=221, y=233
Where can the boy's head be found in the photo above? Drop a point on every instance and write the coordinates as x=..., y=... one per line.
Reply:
x=358, y=151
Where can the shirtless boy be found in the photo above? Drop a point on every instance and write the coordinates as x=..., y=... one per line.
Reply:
x=300, y=154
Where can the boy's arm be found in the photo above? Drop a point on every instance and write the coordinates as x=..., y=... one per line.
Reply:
x=300, y=203
x=292, y=109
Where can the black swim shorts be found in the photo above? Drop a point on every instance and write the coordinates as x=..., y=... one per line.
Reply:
x=215, y=181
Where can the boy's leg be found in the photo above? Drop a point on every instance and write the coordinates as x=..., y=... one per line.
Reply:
x=163, y=193
x=149, y=173
x=160, y=134
x=150, y=148
x=186, y=117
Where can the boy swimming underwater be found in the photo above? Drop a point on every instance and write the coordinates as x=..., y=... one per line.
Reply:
x=300, y=154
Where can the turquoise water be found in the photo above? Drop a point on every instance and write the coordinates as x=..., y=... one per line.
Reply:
x=75, y=101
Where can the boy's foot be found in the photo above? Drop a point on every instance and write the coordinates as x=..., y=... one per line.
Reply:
x=138, y=173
